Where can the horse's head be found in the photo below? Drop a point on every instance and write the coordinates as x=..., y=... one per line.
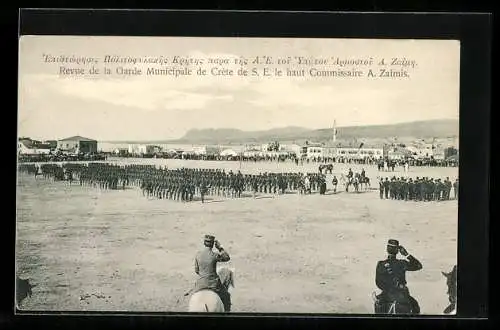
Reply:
x=226, y=276
x=451, y=282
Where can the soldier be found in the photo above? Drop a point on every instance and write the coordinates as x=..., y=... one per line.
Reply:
x=205, y=266
x=334, y=183
x=391, y=278
x=386, y=188
x=455, y=189
x=411, y=190
x=448, y=188
x=203, y=190
x=322, y=186
x=381, y=188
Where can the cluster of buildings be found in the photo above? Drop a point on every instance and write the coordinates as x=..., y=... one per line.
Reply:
x=328, y=150
x=306, y=150
x=70, y=145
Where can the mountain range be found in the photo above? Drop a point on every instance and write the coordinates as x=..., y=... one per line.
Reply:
x=441, y=128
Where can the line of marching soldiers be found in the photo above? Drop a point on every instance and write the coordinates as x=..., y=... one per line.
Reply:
x=178, y=184
x=418, y=189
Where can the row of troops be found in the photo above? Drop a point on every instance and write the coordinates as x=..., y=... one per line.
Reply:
x=178, y=184
x=418, y=189
x=183, y=184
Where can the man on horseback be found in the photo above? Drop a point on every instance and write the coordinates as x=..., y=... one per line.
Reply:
x=350, y=175
x=391, y=279
x=205, y=266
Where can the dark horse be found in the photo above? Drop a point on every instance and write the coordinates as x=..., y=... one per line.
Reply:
x=364, y=182
x=23, y=289
x=451, y=282
x=326, y=167
x=397, y=303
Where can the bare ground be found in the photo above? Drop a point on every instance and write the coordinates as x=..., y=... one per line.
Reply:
x=92, y=250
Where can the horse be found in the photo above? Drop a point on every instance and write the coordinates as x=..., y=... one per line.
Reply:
x=326, y=167
x=23, y=289
x=348, y=181
x=208, y=301
x=363, y=180
x=451, y=282
x=396, y=305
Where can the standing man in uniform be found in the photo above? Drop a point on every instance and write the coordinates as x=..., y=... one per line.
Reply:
x=381, y=188
x=391, y=277
x=205, y=266
x=455, y=188
x=386, y=188
x=334, y=183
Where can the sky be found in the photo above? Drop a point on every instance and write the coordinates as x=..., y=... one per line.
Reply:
x=117, y=107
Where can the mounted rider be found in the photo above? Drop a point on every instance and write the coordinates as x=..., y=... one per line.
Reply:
x=363, y=173
x=205, y=266
x=391, y=279
x=350, y=175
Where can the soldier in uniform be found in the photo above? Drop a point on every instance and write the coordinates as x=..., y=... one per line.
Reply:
x=381, y=188
x=386, y=188
x=205, y=266
x=334, y=183
x=455, y=189
x=322, y=185
x=391, y=279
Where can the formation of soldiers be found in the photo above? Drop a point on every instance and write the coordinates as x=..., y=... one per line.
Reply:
x=418, y=189
x=178, y=184
x=183, y=184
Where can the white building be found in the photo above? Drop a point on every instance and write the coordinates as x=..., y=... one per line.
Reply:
x=360, y=153
x=206, y=150
x=292, y=148
x=30, y=147
x=143, y=149
x=312, y=150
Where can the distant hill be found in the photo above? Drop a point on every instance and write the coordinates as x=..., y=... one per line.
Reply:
x=419, y=129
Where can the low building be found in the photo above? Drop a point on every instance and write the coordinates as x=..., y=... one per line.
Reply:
x=28, y=146
x=206, y=150
x=312, y=150
x=77, y=144
x=122, y=152
x=360, y=153
x=292, y=148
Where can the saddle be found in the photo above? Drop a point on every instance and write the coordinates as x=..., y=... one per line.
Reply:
x=219, y=289
x=391, y=303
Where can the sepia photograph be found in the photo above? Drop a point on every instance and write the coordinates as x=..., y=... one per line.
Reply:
x=237, y=175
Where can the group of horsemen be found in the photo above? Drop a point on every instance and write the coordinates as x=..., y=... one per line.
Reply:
x=390, y=277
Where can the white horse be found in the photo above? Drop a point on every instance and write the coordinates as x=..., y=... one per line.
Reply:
x=208, y=301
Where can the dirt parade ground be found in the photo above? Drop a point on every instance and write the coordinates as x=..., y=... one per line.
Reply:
x=86, y=249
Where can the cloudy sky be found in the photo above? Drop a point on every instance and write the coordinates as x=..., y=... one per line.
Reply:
x=114, y=107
